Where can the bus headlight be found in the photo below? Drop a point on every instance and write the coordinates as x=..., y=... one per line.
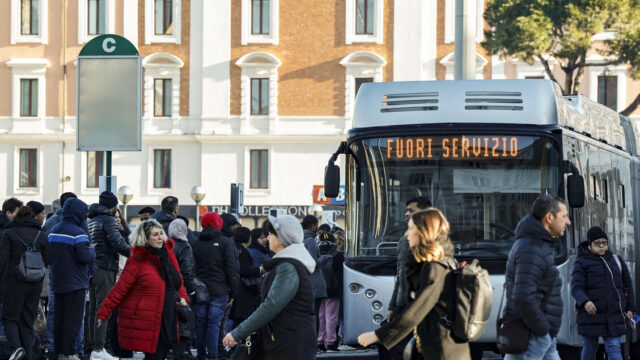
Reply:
x=377, y=318
x=370, y=293
x=354, y=288
x=376, y=305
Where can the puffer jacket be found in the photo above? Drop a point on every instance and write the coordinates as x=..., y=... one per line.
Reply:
x=535, y=296
x=184, y=254
x=600, y=280
x=217, y=263
x=106, y=238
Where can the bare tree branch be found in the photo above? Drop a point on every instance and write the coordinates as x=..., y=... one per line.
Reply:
x=632, y=107
x=547, y=68
x=581, y=66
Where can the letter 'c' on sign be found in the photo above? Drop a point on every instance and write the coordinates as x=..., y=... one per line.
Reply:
x=109, y=45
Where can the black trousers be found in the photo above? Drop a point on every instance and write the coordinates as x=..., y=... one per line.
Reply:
x=19, y=312
x=67, y=319
x=101, y=284
x=161, y=349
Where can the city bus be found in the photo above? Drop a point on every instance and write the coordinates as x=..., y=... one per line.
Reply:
x=482, y=151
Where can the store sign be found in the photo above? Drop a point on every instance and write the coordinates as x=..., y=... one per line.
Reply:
x=263, y=210
x=321, y=199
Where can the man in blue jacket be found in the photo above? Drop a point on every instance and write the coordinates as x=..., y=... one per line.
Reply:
x=71, y=260
x=532, y=280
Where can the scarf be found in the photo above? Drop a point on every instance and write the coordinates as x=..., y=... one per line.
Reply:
x=167, y=272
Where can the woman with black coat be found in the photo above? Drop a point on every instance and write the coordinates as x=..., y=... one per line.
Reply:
x=601, y=285
x=428, y=287
x=20, y=309
x=247, y=300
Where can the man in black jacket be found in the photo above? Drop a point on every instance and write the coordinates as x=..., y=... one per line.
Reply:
x=217, y=267
x=108, y=244
x=532, y=280
x=169, y=212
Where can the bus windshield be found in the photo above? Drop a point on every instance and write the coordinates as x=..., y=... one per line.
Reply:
x=484, y=184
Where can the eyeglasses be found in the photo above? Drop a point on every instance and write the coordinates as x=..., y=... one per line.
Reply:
x=600, y=244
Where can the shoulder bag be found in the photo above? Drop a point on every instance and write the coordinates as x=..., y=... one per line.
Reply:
x=512, y=333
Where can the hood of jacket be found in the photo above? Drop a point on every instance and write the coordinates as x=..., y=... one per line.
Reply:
x=74, y=211
x=583, y=251
x=163, y=216
x=97, y=209
x=300, y=253
x=529, y=226
x=25, y=222
x=228, y=221
x=308, y=233
x=209, y=233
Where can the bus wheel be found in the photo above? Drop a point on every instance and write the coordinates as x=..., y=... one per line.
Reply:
x=569, y=352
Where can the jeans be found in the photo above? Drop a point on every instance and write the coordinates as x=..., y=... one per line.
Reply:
x=611, y=345
x=540, y=348
x=78, y=347
x=208, y=318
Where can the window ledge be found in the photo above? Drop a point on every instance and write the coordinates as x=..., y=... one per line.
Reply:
x=258, y=192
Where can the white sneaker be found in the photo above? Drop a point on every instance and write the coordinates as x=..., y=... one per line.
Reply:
x=102, y=355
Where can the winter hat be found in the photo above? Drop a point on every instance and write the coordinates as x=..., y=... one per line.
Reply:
x=288, y=229
x=325, y=227
x=242, y=235
x=178, y=230
x=36, y=207
x=211, y=219
x=108, y=200
x=596, y=233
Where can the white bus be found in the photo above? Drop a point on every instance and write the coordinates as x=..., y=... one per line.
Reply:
x=481, y=151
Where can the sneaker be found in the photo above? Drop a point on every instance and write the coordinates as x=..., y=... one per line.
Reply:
x=321, y=348
x=102, y=355
x=333, y=347
x=17, y=354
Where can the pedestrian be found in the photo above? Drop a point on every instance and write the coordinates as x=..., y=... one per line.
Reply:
x=324, y=228
x=318, y=285
x=57, y=217
x=602, y=287
x=532, y=281
x=38, y=211
x=217, y=267
x=178, y=233
x=20, y=309
x=108, y=242
x=285, y=315
x=427, y=286
x=71, y=260
x=398, y=301
x=55, y=206
x=248, y=291
x=330, y=261
x=145, y=213
x=169, y=212
x=257, y=249
x=229, y=225
x=148, y=293
x=9, y=208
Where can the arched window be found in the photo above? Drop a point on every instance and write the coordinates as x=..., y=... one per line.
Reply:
x=449, y=61
x=162, y=85
x=361, y=67
x=259, y=84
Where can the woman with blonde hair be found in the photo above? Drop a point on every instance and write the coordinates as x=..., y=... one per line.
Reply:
x=147, y=293
x=430, y=292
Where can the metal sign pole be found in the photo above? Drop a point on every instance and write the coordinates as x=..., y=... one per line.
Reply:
x=108, y=172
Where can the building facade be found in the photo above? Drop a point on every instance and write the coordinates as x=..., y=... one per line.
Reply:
x=258, y=92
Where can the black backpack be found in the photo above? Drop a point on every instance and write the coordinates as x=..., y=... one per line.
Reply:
x=473, y=298
x=31, y=266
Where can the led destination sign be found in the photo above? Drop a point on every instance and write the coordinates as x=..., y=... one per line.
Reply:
x=452, y=147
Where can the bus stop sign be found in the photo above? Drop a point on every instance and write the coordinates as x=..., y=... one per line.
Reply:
x=109, y=95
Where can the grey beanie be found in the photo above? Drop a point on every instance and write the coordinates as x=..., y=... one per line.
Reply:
x=288, y=229
x=178, y=230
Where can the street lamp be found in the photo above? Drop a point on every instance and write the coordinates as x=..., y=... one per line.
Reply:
x=197, y=194
x=125, y=194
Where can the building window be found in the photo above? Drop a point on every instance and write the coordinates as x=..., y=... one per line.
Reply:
x=608, y=91
x=162, y=97
x=28, y=97
x=163, y=17
x=95, y=168
x=259, y=169
x=364, y=17
x=162, y=169
x=359, y=82
x=97, y=17
x=260, y=17
x=28, y=168
x=29, y=17
x=259, y=96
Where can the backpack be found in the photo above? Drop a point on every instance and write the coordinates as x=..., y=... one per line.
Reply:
x=472, y=304
x=31, y=266
x=325, y=262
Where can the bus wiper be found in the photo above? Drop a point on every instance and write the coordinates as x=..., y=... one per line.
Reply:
x=490, y=249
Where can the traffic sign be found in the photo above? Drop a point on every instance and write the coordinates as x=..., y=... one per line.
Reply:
x=109, y=96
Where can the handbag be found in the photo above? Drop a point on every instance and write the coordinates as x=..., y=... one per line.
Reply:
x=413, y=349
x=202, y=293
x=512, y=333
x=184, y=313
x=246, y=350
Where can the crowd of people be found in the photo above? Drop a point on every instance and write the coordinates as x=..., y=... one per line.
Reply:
x=275, y=291
x=102, y=291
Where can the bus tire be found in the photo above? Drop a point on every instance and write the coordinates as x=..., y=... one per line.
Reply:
x=569, y=352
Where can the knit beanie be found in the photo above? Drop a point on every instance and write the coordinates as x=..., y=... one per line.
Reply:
x=178, y=230
x=596, y=233
x=108, y=200
x=36, y=207
x=288, y=229
x=211, y=219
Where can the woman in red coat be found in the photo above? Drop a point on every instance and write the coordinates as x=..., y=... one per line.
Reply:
x=150, y=282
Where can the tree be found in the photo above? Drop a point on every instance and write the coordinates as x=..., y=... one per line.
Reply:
x=533, y=30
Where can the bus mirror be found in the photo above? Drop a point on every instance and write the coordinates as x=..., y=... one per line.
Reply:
x=331, y=180
x=575, y=190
